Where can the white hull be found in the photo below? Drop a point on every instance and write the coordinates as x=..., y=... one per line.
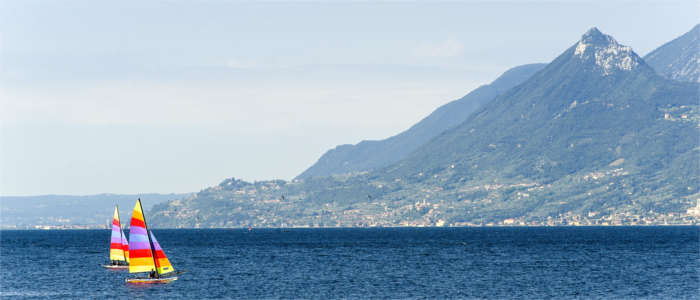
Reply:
x=151, y=280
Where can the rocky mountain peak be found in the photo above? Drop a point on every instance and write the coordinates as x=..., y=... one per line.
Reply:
x=605, y=52
x=594, y=36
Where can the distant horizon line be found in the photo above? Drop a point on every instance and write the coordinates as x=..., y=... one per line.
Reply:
x=354, y=227
x=95, y=194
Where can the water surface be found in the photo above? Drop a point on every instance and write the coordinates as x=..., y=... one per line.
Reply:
x=404, y=263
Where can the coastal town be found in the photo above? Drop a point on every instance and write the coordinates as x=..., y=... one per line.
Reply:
x=691, y=217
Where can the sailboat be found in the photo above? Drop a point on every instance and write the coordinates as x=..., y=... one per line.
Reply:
x=145, y=254
x=118, y=246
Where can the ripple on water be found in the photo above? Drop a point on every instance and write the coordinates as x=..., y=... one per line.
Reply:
x=407, y=263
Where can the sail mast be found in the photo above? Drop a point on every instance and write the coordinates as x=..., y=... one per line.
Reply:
x=150, y=242
x=121, y=235
x=119, y=219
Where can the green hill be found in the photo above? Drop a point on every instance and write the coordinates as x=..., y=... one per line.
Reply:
x=595, y=137
x=71, y=210
x=596, y=109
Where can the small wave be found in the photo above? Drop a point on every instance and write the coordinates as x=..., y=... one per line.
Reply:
x=29, y=294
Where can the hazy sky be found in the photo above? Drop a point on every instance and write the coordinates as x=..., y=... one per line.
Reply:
x=175, y=96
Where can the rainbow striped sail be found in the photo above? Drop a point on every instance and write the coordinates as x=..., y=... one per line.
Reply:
x=162, y=261
x=145, y=253
x=116, y=248
x=140, y=254
x=125, y=246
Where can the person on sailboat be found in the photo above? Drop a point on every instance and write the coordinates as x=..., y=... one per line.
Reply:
x=146, y=257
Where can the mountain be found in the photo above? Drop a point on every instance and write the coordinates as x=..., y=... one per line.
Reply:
x=678, y=59
x=595, y=111
x=596, y=137
x=67, y=210
x=369, y=155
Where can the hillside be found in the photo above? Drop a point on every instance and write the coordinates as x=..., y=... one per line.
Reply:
x=370, y=155
x=68, y=210
x=678, y=59
x=597, y=110
x=596, y=137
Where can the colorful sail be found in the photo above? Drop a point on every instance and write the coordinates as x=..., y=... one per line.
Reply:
x=125, y=246
x=162, y=261
x=116, y=250
x=145, y=253
x=140, y=254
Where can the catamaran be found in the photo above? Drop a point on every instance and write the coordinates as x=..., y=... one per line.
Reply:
x=145, y=254
x=118, y=246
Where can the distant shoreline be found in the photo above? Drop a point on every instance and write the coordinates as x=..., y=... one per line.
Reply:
x=374, y=227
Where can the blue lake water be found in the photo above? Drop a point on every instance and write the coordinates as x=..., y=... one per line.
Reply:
x=403, y=263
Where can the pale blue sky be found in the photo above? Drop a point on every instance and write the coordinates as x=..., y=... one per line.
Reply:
x=174, y=96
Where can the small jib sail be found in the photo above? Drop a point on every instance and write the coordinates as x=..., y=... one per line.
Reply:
x=118, y=245
x=125, y=246
x=145, y=254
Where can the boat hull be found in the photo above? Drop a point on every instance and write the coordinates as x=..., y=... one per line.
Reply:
x=116, y=267
x=151, y=280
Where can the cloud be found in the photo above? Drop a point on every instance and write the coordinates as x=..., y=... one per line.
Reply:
x=450, y=47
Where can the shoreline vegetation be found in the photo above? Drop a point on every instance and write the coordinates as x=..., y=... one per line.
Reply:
x=695, y=223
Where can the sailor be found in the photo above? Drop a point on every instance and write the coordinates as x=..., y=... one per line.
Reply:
x=152, y=274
